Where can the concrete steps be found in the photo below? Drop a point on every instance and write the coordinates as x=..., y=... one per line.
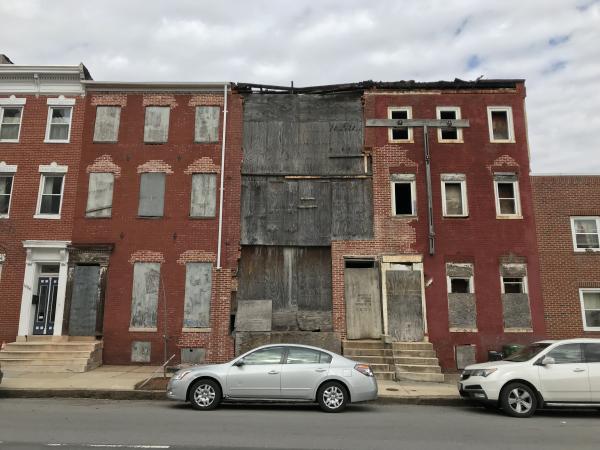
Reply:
x=43, y=354
x=377, y=354
x=416, y=361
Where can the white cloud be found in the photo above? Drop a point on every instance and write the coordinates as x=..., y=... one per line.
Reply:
x=553, y=44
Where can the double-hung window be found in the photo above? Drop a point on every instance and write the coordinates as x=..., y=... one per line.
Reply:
x=590, y=309
x=400, y=134
x=454, y=195
x=50, y=194
x=58, y=128
x=506, y=189
x=449, y=135
x=10, y=123
x=6, y=184
x=500, y=123
x=586, y=233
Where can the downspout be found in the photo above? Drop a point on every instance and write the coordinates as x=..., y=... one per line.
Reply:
x=221, y=190
x=429, y=194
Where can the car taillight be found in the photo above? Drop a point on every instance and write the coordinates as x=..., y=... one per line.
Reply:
x=365, y=369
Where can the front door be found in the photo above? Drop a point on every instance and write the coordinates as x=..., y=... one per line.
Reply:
x=363, y=302
x=83, y=315
x=259, y=376
x=404, y=305
x=567, y=380
x=46, y=305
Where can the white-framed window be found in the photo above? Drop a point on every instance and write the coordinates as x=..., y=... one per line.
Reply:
x=58, y=128
x=404, y=195
x=10, y=123
x=506, y=190
x=50, y=196
x=106, y=127
x=460, y=285
x=6, y=186
x=590, y=308
x=514, y=285
x=449, y=135
x=586, y=233
x=454, y=195
x=400, y=134
x=100, y=195
x=156, y=124
x=500, y=123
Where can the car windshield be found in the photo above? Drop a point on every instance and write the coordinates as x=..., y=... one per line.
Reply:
x=528, y=352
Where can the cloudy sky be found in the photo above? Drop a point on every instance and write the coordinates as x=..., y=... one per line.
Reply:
x=553, y=44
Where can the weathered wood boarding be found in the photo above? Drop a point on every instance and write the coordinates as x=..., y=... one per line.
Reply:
x=404, y=305
x=363, y=303
x=84, y=300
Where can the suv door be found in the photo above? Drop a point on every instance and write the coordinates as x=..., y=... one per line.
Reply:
x=567, y=379
x=259, y=376
x=592, y=357
x=303, y=371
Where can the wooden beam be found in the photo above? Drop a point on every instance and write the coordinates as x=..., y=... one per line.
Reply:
x=436, y=123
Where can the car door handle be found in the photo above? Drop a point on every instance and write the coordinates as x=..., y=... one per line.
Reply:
x=578, y=370
x=272, y=372
x=320, y=370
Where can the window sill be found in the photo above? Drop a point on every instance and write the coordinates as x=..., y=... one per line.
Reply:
x=206, y=142
x=507, y=141
x=465, y=216
x=404, y=216
x=156, y=143
x=47, y=141
x=451, y=141
x=150, y=217
x=509, y=217
x=4, y=216
x=578, y=251
x=98, y=217
x=142, y=330
x=9, y=141
x=518, y=330
x=105, y=142
x=47, y=216
x=463, y=330
x=202, y=217
x=401, y=141
x=196, y=330
x=591, y=329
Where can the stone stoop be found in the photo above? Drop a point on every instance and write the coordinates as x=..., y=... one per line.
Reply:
x=43, y=354
x=416, y=361
x=376, y=353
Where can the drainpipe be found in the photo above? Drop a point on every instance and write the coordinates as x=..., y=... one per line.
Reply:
x=221, y=190
x=429, y=195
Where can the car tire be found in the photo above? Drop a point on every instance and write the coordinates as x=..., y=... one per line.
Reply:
x=332, y=397
x=518, y=400
x=205, y=395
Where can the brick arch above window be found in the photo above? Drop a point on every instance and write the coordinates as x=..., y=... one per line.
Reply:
x=196, y=256
x=146, y=256
x=154, y=166
x=202, y=165
x=104, y=164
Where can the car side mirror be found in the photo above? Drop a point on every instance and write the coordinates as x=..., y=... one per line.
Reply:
x=239, y=362
x=547, y=360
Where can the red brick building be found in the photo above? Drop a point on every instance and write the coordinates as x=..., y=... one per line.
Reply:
x=42, y=113
x=157, y=217
x=567, y=210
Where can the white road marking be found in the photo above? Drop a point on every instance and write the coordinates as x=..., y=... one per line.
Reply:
x=110, y=446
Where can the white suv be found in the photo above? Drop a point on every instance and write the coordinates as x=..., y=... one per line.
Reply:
x=545, y=373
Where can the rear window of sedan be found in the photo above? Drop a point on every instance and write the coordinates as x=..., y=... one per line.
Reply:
x=299, y=355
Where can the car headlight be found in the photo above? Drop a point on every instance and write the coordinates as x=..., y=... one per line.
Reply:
x=180, y=375
x=483, y=372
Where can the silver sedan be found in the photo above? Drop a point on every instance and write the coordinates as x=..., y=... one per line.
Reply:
x=277, y=372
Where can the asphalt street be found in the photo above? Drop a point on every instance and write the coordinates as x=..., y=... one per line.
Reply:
x=87, y=423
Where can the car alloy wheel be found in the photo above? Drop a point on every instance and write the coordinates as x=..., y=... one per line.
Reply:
x=332, y=397
x=518, y=400
x=205, y=394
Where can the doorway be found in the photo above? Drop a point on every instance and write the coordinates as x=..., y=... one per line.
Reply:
x=45, y=300
x=363, y=299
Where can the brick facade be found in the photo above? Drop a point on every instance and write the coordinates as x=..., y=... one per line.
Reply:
x=564, y=270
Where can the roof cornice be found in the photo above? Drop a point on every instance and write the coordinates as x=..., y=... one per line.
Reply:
x=153, y=86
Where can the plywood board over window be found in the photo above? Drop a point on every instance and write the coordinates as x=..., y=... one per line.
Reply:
x=207, y=124
x=156, y=125
x=100, y=195
x=515, y=297
x=144, y=302
x=204, y=194
x=106, y=128
x=152, y=194
x=198, y=289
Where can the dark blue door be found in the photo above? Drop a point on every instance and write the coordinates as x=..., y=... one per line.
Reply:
x=46, y=305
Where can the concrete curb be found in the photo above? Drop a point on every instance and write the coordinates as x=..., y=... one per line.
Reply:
x=109, y=394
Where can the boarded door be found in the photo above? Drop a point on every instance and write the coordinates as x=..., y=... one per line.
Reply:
x=404, y=304
x=84, y=301
x=363, y=303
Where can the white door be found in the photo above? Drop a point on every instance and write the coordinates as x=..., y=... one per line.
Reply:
x=303, y=371
x=259, y=376
x=567, y=379
x=592, y=357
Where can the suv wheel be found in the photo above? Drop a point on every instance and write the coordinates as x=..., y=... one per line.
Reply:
x=205, y=395
x=518, y=400
x=332, y=397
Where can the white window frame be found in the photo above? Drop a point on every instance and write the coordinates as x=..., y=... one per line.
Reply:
x=413, y=195
x=509, y=118
x=525, y=288
x=574, y=234
x=408, y=110
x=583, y=320
x=47, y=140
x=459, y=133
x=52, y=170
x=3, y=106
x=463, y=194
x=517, y=214
x=12, y=191
x=471, y=284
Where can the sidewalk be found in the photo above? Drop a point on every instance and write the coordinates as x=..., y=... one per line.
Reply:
x=118, y=382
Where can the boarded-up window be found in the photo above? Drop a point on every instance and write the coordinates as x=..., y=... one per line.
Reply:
x=204, y=190
x=144, y=301
x=515, y=297
x=462, y=314
x=207, y=124
x=156, y=125
x=100, y=195
x=198, y=287
x=106, y=128
x=152, y=195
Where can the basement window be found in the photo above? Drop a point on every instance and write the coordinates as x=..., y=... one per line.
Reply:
x=585, y=231
x=403, y=198
x=500, y=123
x=449, y=135
x=400, y=134
x=10, y=123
